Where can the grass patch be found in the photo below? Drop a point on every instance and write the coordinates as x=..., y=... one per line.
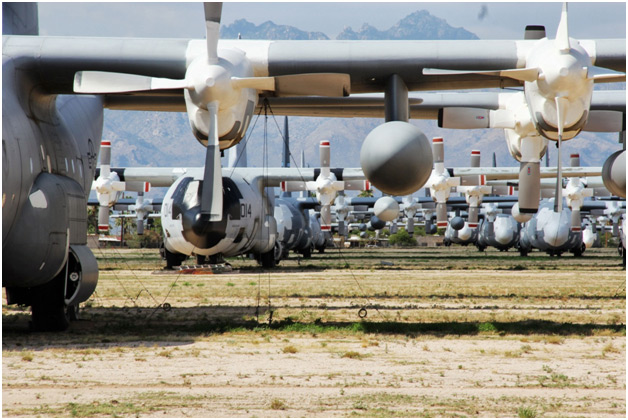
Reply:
x=290, y=349
x=525, y=412
x=278, y=404
x=353, y=355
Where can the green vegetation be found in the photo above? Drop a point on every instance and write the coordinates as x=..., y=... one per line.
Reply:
x=401, y=238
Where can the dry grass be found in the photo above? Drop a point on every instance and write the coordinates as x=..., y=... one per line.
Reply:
x=478, y=339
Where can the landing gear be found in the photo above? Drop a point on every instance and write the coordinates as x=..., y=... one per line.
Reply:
x=48, y=306
x=577, y=252
x=523, y=252
x=267, y=259
x=172, y=259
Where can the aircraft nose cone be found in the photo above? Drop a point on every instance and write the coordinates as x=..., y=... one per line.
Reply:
x=503, y=234
x=465, y=233
x=556, y=232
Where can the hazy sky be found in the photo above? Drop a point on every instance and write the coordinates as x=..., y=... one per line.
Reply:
x=488, y=20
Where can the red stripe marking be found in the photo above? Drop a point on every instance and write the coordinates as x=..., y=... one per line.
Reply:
x=367, y=185
x=146, y=187
x=482, y=179
x=475, y=152
x=324, y=227
x=324, y=143
x=103, y=227
x=473, y=225
x=576, y=229
x=575, y=155
x=441, y=224
x=437, y=140
x=283, y=185
x=511, y=190
x=105, y=143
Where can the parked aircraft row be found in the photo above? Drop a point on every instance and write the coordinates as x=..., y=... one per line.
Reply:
x=55, y=88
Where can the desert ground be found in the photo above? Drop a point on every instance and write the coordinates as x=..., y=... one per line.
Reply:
x=383, y=332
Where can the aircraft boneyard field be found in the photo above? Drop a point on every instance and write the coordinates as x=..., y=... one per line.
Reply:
x=448, y=332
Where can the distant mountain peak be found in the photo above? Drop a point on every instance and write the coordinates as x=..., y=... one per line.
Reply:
x=266, y=30
x=416, y=26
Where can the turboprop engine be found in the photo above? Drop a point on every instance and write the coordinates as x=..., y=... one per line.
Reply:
x=396, y=157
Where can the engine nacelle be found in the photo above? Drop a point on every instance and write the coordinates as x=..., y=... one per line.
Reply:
x=396, y=157
x=614, y=173
x=463, y=118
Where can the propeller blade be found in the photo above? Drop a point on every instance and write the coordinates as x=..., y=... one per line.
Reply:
x=95, y=82
x=438, y=151
x=562, y=33
x=288, y=186
x=137, y=186
x=576, y=221
x=410, y=225
x=326, y=218
x=140, y=226
x=475, y=158
x=473, y=217
x=103, y=219
x=604, y=74
x=105, y=158
x=441, y=215
x=529, y=186
x=325, y=154
x=213, y=12
x=357, y=185
x=472, y=180
x=524, y=75
x=211, y=195
x=341, y=228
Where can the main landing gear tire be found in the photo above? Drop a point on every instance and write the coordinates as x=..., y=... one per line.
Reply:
x=48, y=307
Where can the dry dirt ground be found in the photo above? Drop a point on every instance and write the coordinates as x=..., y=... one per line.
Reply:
x=448, y=333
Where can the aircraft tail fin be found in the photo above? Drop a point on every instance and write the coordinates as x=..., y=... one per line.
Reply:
x=20, y=19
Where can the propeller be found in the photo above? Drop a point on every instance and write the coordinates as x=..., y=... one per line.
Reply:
x=410, y=206
x=440, y=182
x=326, y=185
x=217, y=91
x=141, y=208
x=558, y=76
x=475, y=192
x=342, y=208
x=109, y=187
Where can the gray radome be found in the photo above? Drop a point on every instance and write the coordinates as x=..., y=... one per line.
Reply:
x=457, y=223
x=386, y=209
x=396, y=157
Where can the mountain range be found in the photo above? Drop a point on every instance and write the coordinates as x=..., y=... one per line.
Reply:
x=165, y=139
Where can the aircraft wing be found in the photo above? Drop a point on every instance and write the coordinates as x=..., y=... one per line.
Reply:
x=512, y=173
x=165, y=177
x=423, y=105
x=56, y=60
